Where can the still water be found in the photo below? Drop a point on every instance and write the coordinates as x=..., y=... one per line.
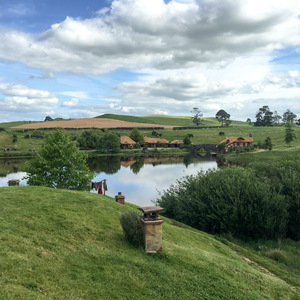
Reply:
x=139, y=179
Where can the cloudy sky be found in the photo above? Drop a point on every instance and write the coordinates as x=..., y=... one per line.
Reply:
x=76, y=59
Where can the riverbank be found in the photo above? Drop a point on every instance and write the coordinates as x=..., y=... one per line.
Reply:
x=67, y=244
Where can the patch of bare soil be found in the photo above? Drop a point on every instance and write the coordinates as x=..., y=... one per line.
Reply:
x=87, y=123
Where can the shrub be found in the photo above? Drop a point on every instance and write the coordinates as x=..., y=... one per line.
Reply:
x=277, y=255
x=232, y=200
x=132, y=228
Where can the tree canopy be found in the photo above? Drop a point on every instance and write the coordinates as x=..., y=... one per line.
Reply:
x=222, y=116
x=289, y=117
x=109, y=142
x=137, y=136
x=197, y=115
x=289, y=134
x=264, y=117
x=59, y=164
x=90, y=138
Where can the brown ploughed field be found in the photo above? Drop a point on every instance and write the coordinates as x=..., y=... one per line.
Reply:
x=87, y=123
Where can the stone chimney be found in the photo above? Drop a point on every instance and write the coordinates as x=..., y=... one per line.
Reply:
x=152, y=228
x=120, y=198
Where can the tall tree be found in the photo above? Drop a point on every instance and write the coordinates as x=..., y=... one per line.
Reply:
x=223, y=116
x=289, y=134
x=109, y=142
x=136, y=135
x=59, y=164
x=249, y=121
x=289, y=117
x=197, y=115
x=264, y=117
x=276, y=118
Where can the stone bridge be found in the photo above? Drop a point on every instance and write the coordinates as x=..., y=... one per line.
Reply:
x=211, y=149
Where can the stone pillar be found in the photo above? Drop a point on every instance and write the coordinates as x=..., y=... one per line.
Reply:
x=152, y=228
x=120, y=198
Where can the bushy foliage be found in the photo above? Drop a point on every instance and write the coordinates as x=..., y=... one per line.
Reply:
x=137, y=136
x=59, y=164
x=132, y=228
x=233, y=200
x=285, y=178
x=90, y=138
x=109, y=142
x=187, y=141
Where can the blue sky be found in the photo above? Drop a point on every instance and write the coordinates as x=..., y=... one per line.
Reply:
x=77, y=59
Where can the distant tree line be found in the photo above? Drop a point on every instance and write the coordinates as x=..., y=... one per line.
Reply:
x=265, y=117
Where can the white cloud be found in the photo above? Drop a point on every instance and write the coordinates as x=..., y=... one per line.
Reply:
x=20, y=98
x=72, y=102
x=76, y=94
x=141, y=33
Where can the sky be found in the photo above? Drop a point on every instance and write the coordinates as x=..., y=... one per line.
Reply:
x=82, y=59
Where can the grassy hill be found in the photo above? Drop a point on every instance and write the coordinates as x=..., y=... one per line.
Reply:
x=60, y=244
x=127, y=118
x=162, y=120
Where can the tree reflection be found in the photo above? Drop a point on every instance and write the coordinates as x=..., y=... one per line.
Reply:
x=136, y=167
x=106, y=164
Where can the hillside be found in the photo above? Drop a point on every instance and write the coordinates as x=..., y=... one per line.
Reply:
x=60, y=244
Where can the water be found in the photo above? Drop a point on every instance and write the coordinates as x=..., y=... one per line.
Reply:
x=140, y=180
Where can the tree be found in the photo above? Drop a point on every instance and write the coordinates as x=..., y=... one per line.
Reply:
x=59, y=164
x=109, y=142
x=289, y=134
x=264, y=117
x=187, y=141
x=249, y=121
x=289, y=117
x=136, y=135
x=223, y=116
x=197, y=116
x=268, y=143
x=276, y=118
x=90, y=138
x=48, y=118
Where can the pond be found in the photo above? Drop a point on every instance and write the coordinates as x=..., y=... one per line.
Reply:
x=139, y=179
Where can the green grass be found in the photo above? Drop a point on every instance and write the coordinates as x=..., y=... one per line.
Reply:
x=59, y=244
x=127, y=118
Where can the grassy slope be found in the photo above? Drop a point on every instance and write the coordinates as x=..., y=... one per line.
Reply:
x=127, y=118
x=58, y=244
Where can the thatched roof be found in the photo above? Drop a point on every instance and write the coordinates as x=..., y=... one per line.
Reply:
x=149, y=140
x=177, y=142
x=126, y=140
x=231, y=140
x=128, y=163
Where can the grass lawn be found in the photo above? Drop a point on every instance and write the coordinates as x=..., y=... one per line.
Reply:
x=60, y=244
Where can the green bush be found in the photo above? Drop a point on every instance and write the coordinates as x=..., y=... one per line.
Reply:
x=132, y=227
x=277, y=255
x=229, y=200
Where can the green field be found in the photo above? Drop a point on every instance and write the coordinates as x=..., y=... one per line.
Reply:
x=60, y=244
x=204, y=135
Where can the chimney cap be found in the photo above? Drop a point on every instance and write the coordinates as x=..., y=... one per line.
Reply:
x=150, y=209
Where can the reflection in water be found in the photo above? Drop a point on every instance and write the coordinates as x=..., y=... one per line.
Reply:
x=139, y=179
